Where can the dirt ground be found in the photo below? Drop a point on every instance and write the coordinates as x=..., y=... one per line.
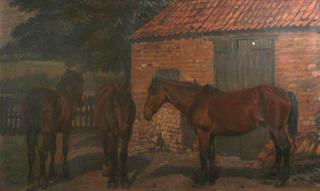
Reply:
x=147, y=171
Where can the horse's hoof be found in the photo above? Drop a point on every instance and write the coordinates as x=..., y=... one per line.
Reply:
x=280, y=183
x=112, y=185
x=198, y=180
x=52, y=177
x=212, y=182
x=31, y=188
x=66, y=174
x=125, y=183
x=212, y=178
x=269, y=180
x=65, y=171
x=197, y=185
x=104, y=173
x=44, y=183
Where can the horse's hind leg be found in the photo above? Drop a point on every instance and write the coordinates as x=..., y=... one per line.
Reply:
x=53, y=149
x=43, y=153
x=125, y=183
x=283, y=145
x=106, y=150
x=211, y=155
x=65, y=149
x=113, y=142
x=203, y=138
x=275, y=170
x=31, y=141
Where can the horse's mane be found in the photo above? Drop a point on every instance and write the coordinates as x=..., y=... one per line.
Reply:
x=69, y=79
x=183, y=84
x=209, y=89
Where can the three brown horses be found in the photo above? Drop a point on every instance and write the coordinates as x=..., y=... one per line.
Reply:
x=213, y=112
x=114, y=115
x=45, y=112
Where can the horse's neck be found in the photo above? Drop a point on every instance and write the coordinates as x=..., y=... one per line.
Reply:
x=181, y=97
x=70, y=99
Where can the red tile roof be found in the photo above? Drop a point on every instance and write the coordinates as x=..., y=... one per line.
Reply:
x=205, y=16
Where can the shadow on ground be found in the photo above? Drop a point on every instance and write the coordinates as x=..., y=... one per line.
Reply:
x=186, y=171
x=166, y=170
x=93, y=162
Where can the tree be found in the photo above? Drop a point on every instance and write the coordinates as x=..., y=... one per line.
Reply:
x=88, y=32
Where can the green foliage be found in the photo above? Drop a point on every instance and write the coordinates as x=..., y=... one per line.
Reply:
x=88, y=32
x=25, y=83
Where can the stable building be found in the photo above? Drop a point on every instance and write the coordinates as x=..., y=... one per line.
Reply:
x=233, y=44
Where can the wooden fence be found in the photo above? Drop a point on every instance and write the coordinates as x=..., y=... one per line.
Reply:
x=10, y=107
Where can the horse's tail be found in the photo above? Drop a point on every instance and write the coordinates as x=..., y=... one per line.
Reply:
x=293, y=117
x=31, y=122
x=31, y=116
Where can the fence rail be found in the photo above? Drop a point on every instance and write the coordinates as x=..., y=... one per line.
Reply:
x=10, y=113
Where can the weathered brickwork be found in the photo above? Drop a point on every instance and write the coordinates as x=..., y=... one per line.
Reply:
x=194, y=59
x=297, y=69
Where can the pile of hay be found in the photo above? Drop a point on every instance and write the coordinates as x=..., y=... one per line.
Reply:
x=308, y=145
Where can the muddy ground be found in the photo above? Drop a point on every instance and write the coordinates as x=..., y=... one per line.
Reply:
x=147, y=171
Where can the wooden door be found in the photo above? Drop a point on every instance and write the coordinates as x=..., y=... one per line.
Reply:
x=240, y=64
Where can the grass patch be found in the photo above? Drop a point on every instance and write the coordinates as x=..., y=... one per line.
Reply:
x=25, y=75
x=13, y=70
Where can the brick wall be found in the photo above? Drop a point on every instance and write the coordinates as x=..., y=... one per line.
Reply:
x=298, y=70
x=194, y=59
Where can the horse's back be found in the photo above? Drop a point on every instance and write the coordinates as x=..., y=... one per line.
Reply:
x=114, y=105
x=247, y=109
x=37, y=103
x=237, y=112
x=103, y=100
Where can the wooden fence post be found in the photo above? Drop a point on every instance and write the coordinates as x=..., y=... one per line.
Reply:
x=10, y=116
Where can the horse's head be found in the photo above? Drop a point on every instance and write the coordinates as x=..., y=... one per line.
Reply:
x=72, y=84
x=155, y=99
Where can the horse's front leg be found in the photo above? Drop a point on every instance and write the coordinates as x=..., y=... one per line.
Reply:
x=106, y=150
x=125, y=183
x=65, y=150
x=212, y=157
x=203, y=150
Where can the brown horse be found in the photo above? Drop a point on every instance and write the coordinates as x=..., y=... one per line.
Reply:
x=213, y=112
x=45, y=112
x=114, y=115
